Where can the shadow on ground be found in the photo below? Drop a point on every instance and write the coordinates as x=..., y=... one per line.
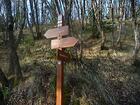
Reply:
x=103, y=81
x=100, y=81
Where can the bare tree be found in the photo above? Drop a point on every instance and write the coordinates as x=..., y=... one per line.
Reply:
x=121, y=12
x=58, y=7
x=98, y=24
x=38, y=33
x=112, y=19
x=34, y=19
x=135, y=28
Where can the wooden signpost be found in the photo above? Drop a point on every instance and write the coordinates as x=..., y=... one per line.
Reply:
x=60, y=43
x=54, y=33
x=63, y=43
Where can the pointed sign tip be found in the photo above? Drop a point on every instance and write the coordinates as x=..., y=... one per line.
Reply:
x=52, y=33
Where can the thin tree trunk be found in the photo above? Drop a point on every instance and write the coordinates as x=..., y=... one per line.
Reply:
x=32, y=19
x=137, y=41
x=3, y=79
x=2, y=102
x=38, y=33
x=30, y=26
x=119, y=36
x=98, y=24
x=112, y=18
x=32, y=12
x=20, y=35
x=42, y=12
x=122, y=3
x=135, y=28
x=58, y=7
x=83, y=14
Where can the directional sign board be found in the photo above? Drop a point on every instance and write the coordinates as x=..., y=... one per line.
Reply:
x=63, y=43
x=52, y=33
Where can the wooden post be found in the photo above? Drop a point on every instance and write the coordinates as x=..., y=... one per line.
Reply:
x=60, y=69
x=60, y=43
x=59, y=84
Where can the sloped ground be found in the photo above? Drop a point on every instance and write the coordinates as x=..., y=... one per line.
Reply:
x=101, y=78
x=119, y=81
x=4, y=59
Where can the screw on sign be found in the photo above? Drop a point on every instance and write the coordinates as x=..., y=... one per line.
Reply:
x=60, y=43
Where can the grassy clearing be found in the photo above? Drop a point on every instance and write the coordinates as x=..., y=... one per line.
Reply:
x=102, y=77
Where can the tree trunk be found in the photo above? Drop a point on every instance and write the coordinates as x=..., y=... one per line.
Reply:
x=29, y=24
x=83, y=14
x=98, y=24
x=137, y=42
x=2, y=102
x=58, y=7
x=14, y=64
x=3, y=79
x=122, y=3
x=135, y=28
x=112, y=18
x=34, y=17
x=38, y=33
x=67, y=9
x=103, y=39
x=5, y=83
x=22, y=24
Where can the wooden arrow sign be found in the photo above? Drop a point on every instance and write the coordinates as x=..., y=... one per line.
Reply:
x=52, y=33
x=63, y=43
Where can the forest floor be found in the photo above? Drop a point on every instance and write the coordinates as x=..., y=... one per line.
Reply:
x=105, y=77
